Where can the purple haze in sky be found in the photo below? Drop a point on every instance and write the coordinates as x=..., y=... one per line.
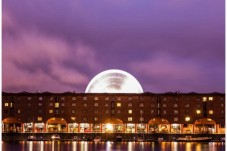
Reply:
x=168, y=45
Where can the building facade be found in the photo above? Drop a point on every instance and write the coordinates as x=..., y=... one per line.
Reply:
x=68, y=112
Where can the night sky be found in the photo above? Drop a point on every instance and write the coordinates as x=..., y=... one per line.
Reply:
x=60, y=45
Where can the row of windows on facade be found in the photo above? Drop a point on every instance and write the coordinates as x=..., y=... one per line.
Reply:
x=57, y=104
x=210, y=98
x=84, y=111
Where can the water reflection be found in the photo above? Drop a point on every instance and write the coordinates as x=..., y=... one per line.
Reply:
x=110, y=146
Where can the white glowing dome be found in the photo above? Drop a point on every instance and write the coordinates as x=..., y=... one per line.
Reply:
x=114, y=81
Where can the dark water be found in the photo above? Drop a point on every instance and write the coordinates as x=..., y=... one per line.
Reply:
x=111, y=146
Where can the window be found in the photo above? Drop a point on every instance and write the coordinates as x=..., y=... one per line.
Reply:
x=187, y=118
x=211, y=112
x=187, y=105
x=141, y=119
x=62, y=111
x=175, y=105
x=40, y=111
x=141, y=111
x=6, y=104
x=175, y=111
x=96, y=111
x=198, y=111
x=84, y=98
x=51, y=104
x=74, y=98
x=29, y=104
x=18, y=111
x=29, y=98
x=164, y=111
x=198, y=105
x=118, y=98
x=152, y=111
x=163, y=98
x=112, y=111
x=204, y=99
x=73, y=104
x=210, y=98
x=107, y=111
x=62, y=98
x=175, y=119
x=96, y=104
x=129, y=104
x=164, y=105
x=118, y=104
x=62, y=104
x=50, y=111
x=84, y=119
x=56, y=111
x=40, y=104
x=40, y=118
x=56, y=104
x=107, y=98
x=129, y=98
x=222, y=104
x=118, y=111
x=85, y=104
x=73, y=118
x=129, y=119
x=141, y=105
x=40, y=98
x=106, y=105
x=96, y=98
x=129, y=111
x=73, y=111
x=84, y=111
x=96, y=118
x=222, y=112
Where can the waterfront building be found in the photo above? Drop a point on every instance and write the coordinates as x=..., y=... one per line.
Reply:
x=118, y=106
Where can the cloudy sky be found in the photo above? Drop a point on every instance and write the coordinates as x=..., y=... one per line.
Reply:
x=168, y=45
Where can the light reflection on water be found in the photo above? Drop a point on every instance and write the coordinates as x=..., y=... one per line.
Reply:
x=110, y=146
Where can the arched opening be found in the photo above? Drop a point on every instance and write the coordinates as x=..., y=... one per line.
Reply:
x=158, y=125
x=205, y=125
x=56, y=124
x=112, y=125
x=11, y=124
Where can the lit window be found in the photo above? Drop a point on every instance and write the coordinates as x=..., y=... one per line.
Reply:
x=11, y=104
x=152, y=111
x=198, y=111
x=74, y=98
x=175, y=119
x=141, y=105
x=118, y=98
x=106, y=105
x=40, y=98
x=56, y=104
x=18, y=111
x=129, y=118
x=119, y=111
x=164, y=112
x=175, y=111
x=118, y=104
x=6, y=104
x=85, y=104
x=51, y=104
x=96, y=118
x=107, y=98
x=107, y=111
x=73, y=104
x=62, y=98
x=210, y=98
x=209, y=120
x=96, y=98
x=187, y=118
x=164, y=105
x=40, y=118
x=73, y=111
x=175, y=105
x=29, y=98
x=73, y=118
x=62, y=104
x=211, y=112
x=204, y=99
x=129, y=111
x=50, y=111
x=96, y=104
x=129, y=104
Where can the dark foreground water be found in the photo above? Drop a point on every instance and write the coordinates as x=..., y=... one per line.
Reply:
x=111, y=146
